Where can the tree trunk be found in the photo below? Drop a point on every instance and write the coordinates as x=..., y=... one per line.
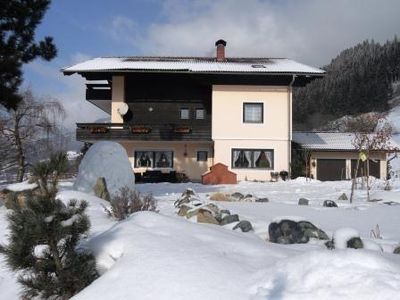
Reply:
x=368, y=178
x=20, y=156
x=353, y=184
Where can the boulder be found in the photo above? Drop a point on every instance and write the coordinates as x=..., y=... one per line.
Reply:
x=292, y=232
x=229, y=219
x=262, y=200
x=183, y=210
x=188, y=196
x=109, y=160
x=343, y=197
x=355, y=243
x=237, y=196
x=396, y=250
x=205, y=216
x=225, y=212
x=329, y=203
x=347, y=238
x=303, y=201
x=220, y=197
x=100, y=189
x=244, y=225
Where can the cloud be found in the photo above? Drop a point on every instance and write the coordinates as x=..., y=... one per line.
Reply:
x=68, y=90
x=312, y=31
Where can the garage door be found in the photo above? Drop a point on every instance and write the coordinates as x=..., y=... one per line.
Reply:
x=374, y=168
x=331, y=169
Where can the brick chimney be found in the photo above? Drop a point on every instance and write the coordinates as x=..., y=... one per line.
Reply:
x=220, y=44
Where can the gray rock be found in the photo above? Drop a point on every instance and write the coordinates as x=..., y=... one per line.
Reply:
x=397, y=250
x=330, y=245
x=355, y=243
x=303, y=201
x=343, y=197
x=292, y=232
x=225, y=211
x=237, y=195
x=329, y=203
x=248, y=196
x=229, y=219
x=100, y=189
x=262, y=200
x=245, y=226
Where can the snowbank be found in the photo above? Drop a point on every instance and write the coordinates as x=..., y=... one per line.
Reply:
x=150, y=256
x=108, y=160
x=348, y=274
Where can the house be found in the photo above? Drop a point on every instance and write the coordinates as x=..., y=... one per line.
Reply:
x=334, y=157
x=186, y=114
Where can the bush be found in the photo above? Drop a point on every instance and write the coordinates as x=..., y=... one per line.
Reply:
x=128, y=201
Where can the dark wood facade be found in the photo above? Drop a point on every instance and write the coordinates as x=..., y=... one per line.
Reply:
x=92, y=132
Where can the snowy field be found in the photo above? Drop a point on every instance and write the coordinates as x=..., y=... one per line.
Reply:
x=164, y=256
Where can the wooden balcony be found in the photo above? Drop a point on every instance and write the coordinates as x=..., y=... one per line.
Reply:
x=91, y=132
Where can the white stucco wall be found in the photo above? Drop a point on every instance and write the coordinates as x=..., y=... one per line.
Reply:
x=229, y=131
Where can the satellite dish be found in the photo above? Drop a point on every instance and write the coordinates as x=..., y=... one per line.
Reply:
x=122, y=109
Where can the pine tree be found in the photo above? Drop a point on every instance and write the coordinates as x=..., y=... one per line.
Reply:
x=44, y=242
x=18, y=22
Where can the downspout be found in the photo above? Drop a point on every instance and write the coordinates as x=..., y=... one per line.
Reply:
x=290, y=125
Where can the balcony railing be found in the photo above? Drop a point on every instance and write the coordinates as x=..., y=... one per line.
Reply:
x=142, y=132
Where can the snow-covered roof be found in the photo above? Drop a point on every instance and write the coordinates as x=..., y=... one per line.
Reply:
x=193, y=64
x=328, y=140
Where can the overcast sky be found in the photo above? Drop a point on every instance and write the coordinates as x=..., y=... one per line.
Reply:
x=310, y=31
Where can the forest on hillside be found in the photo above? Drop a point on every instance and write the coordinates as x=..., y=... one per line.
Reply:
x=358, y=80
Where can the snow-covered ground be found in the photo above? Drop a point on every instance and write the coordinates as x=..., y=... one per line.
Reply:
x=164, y=256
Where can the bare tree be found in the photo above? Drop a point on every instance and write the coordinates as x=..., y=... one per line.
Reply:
x=20, y=128
x=372, y=134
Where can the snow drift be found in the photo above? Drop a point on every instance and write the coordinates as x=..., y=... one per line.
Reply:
x=108, y=160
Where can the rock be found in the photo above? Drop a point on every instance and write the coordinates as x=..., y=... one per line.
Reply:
x=188, y=193
x=183, y=210
x=292, y=232
x=397, y=250
x=204, y=216
x=225, y=211
x=343, y=197
x=229, y=219
x=303, y=201
x=329, y=203
x=248, y=196
x=237, y=196
x=262, y=200
x=100, y=189
x=347, y=237
x=220, y=197
x=109, y=160
x=188, y=196
x=355, y=243
x=244, y=225
x=330, y=245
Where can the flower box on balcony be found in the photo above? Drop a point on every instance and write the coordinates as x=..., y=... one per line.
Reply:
x=98, y=130
x=183, y=129
x=140, y=129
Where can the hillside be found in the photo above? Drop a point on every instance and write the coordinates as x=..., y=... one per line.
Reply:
x=359, y=80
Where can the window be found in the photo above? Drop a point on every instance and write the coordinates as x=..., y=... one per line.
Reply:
x=253, y=158
x=154, y=159
x=202, y=155
x=253, y=112
x=185, y=113
x=200, y=114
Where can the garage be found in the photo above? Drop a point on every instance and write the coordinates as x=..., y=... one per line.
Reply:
x=331, y=169
x=374, y=168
